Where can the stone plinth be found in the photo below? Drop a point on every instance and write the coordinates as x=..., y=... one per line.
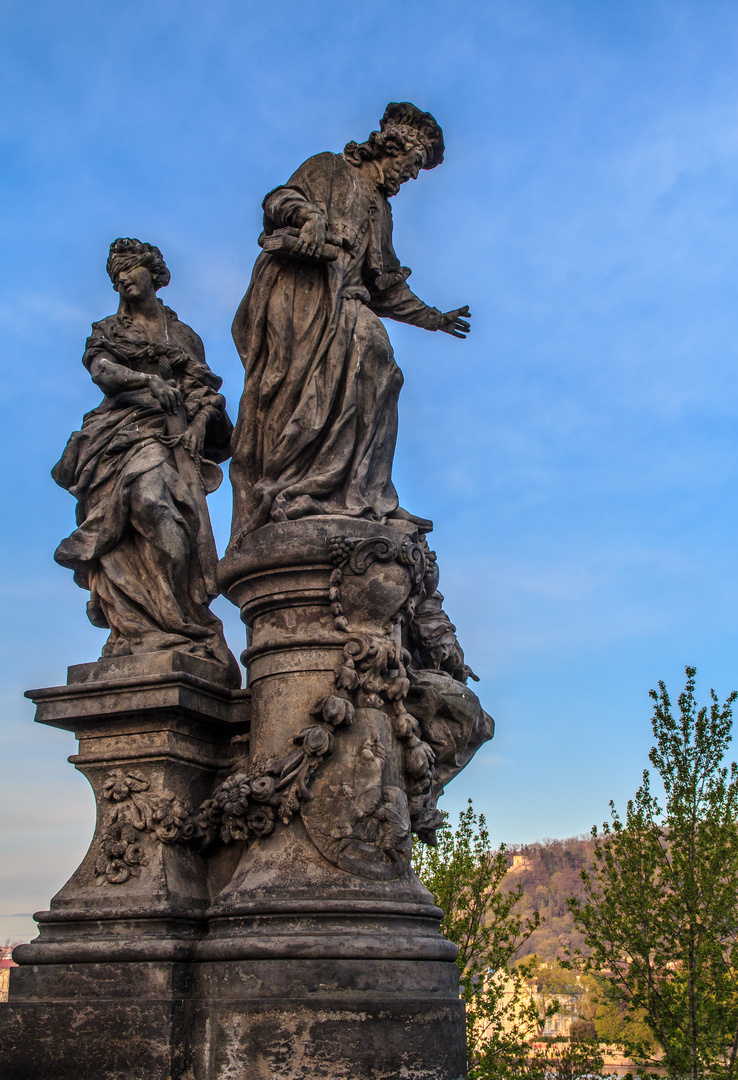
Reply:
x=328, y=1020
x=259, y=1020
x=107, y=1021
x=112, y=965
x=154, y=733
x=307, y=632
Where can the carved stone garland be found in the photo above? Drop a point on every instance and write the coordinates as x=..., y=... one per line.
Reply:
x=135, y=813
x=373, y=668
x=242, y=807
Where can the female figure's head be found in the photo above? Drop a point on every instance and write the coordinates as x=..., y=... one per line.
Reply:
x=136, y=270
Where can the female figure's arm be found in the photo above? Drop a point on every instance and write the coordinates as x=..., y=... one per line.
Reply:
x=114, y=378
x=203, y=404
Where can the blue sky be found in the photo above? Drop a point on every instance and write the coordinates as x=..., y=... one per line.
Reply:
x=577, y=453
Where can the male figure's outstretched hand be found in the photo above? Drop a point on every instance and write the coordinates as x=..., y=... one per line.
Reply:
x=455, y=322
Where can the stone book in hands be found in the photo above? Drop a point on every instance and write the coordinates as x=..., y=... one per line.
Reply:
x=282, y=243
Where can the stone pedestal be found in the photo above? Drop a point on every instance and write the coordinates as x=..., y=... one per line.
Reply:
x=105, y=1021
x=328, y=1020
x=247, y=909
x=337, y=969
x=103, y=991
x=154, y=733
x=249, y=1020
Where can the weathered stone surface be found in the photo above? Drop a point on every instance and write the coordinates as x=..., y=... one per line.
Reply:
x=154, y=736
x=103, y=1021
x=333, y=656
x=250, y=1020
x=145, y=684
x=329, y=1020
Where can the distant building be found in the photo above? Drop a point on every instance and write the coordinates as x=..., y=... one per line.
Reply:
x=6, y=963
x=520, y=863
x=556, y=1026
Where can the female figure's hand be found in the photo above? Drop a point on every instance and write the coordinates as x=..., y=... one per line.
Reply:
x=113, y=378
x=193, y=440
x=168, y=396
x=455, y=322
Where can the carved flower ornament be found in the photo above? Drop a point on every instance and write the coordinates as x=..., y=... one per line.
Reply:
x=260, y=820
x=315, y=740
x=263, y=788
x=120, y=785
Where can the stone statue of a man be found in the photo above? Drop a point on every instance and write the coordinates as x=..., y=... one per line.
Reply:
x=318, y=419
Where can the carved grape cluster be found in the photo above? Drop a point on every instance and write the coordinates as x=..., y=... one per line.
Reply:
x=340, y=548
x=340, y=622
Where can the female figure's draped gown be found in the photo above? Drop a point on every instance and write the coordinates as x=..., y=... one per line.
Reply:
x=144, y=545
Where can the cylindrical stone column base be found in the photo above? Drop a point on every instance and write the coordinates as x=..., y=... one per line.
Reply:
x=329, y=1020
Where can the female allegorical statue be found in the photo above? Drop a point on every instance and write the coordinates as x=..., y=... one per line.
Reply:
x=318, y=419
x=140, y=469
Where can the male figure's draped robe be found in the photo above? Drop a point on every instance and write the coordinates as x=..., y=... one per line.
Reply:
x=317, y=424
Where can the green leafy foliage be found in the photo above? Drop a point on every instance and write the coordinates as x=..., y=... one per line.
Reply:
x=660, y=920
x=468, y=881
x=565, y=1061
x=466, y=878
x=618, y=1025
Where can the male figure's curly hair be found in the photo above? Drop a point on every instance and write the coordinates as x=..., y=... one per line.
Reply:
x=126, y=252
x=389, y=143
x=402, y=128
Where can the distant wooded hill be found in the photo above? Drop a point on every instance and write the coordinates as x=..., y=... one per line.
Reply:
x=549, y=873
